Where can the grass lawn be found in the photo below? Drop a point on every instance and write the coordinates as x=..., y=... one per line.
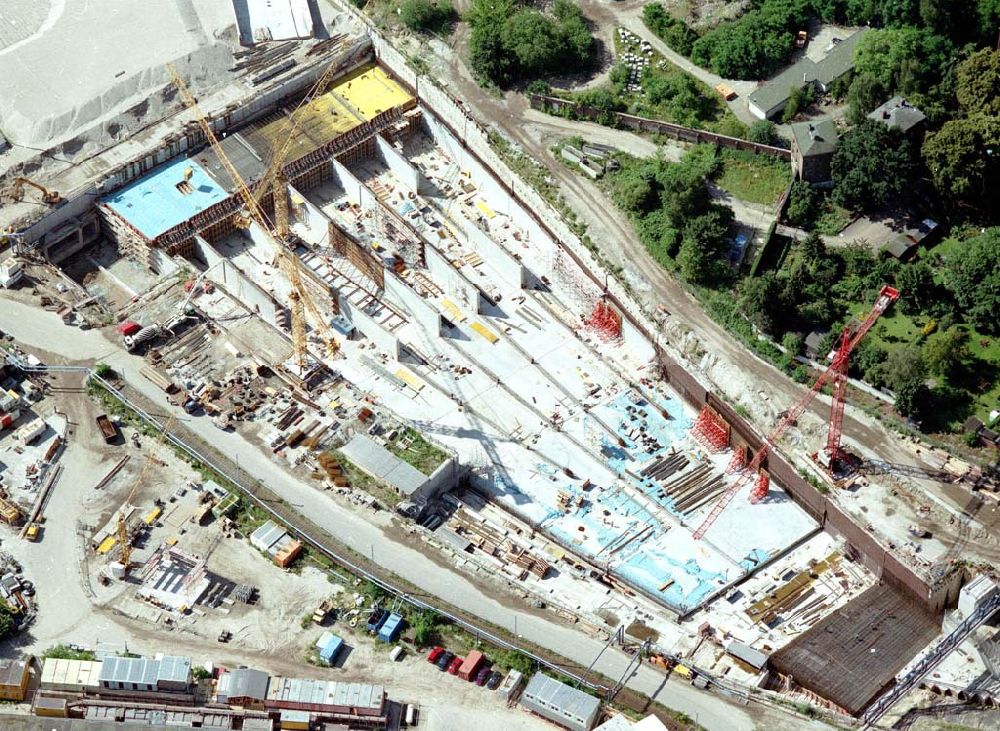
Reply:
x=753, y=178
x=412, y=448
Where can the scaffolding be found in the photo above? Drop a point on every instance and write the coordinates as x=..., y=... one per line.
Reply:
x=605, y=321
x=738, y=461
x=710, y=430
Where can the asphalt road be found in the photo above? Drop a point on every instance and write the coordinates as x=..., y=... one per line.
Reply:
x=37, y=329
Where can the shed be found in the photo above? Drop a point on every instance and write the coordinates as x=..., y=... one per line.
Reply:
x=748, y=655
x=266, y=536
x=295, y=720
x=49, y=706
x=511, y=685
x=328, y=653
x=560, y=703
x=72, y=676
x=383, y=465
x=391, y=628
x=243, y=687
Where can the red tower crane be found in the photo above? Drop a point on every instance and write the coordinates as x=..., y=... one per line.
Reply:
x=837, y=370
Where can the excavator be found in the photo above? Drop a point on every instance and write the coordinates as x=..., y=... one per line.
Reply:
x=49, y=197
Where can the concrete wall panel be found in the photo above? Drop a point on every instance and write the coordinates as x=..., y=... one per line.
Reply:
x=408, y=175
x=239, y=285
x=457, y=288
x=411, y=304
x=370, y=328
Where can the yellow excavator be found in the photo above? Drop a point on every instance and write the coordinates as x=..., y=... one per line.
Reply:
x=49, y=197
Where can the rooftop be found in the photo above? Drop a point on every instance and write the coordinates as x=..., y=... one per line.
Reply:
x=161, y=200
x=242, y=683
x=322, y=692
x=382, y=464
x=815, y=138
x=561, y=696
x=897, y=113
x=12, y=671
x=838, y=61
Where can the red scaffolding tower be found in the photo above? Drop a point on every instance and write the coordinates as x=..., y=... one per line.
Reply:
x=710, y=430
x=605, y=321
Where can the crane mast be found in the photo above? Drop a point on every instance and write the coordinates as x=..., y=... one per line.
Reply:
x=299, y=298
x=837, y=370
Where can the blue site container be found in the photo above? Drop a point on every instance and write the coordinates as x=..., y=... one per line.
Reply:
x=391, y=629
x=329, y=653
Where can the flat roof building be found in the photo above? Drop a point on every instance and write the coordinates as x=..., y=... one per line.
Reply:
x=72, y=676
x=167, y=673
x=560, y=703
x=322, y=696
x=243, y=687
x=380, y=463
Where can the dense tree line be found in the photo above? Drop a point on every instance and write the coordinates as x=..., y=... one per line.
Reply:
x=674, y=214
x=511, y=41
x=436, y=16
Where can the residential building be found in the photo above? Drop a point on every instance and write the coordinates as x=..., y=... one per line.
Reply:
x=813, y=145
x=13, y=679
x=771, y=97
x=560, y=703
x=897, y=113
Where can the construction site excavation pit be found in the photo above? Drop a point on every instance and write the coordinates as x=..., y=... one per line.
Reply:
x=456, y=311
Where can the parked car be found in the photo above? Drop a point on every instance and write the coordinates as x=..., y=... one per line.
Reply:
x=493, y=682
x=482, y=676
x=434, y=654
x=445, y=660
x=455, y=664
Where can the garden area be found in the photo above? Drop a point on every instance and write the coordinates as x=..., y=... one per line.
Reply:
x=753, y=177
x=645, y=84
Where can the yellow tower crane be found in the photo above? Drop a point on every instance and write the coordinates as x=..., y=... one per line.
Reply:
x=273, y=177
x=124, y=539
x=299, y=298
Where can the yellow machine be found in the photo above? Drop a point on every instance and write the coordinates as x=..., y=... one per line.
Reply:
x=50, y=197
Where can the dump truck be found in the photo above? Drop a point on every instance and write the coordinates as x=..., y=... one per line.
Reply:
x=108, y=429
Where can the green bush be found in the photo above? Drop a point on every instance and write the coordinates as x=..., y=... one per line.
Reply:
x=762, y=132
x=437, y=16
x=510, y=41
x=756, y=44
x=798, y=101
x=675, y=33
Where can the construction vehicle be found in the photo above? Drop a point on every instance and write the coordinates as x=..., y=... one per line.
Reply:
x=299, y=299
x=151, y=332
x=49, y=197
x=833, y=455
x=33, y=533
x=323, y=611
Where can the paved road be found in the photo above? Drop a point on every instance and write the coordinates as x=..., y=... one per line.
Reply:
x=43, y=330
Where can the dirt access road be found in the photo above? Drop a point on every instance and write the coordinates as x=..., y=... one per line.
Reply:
x=730, y=368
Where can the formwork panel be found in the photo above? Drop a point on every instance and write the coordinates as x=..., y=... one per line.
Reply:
x=854, y=652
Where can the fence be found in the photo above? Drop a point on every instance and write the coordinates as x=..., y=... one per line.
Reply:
x=644, y=124
x=303, y=535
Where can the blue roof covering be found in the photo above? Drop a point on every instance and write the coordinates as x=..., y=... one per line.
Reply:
x=154, y=204
x=331, y=649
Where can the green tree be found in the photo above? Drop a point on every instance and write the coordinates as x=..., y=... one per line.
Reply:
x=871, y=165
x=702, y=244
x=487, y=56
x=973, y=276
x=799, y=99
x=794, y=343
x=760, y=300
x=804, y=205
x=762, y=132
x=915, y=282
x=7, y=624
x=905, y=372
x=946, y=352
x=427, y=15
x=532, y=39
x=424, y=624
x=977, y=85
x=865, y=94
x=963, y=157
x=675, y=33
x=905, y=60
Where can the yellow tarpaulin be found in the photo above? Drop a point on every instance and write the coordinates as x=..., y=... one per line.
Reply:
x=410, y=380
x=152, y=515
x=453, y=312
x=487, y=211
x=484, y=331
x=106, y=545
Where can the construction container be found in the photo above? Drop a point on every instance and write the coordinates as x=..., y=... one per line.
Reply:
x=50, y=707
x=30, y=431
x=397, y=653
x=390, y=630
x=9, y=400
x=108, y=429
x=376, y=619
x=511, y=685
x=329, y=652
x=152, y=515
x=473, y=661
x=7, y=420
x=294, y=720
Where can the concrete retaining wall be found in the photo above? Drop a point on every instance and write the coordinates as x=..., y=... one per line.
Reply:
x=239, y=285
x=418, y=311
x=370, y=328
x=400, y=166
x=457, y=288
